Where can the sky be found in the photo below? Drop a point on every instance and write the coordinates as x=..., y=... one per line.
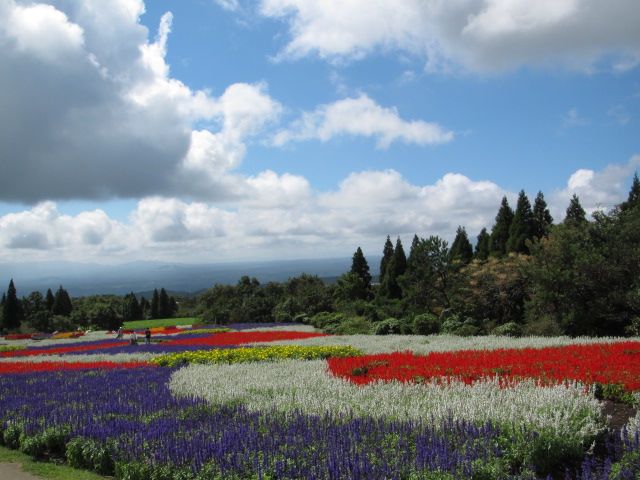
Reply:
x=196, y=131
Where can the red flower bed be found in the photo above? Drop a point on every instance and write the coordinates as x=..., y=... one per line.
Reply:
x=238, y=338
x=60, y=350
x=18, y=336
x=30, y=367
x=610, y=363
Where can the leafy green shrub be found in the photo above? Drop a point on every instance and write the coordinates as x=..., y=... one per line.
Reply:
x=350, y=326
x=426, y=324
x=90, y=455
x=11, y=435
x=509, y=329
x=387, y=327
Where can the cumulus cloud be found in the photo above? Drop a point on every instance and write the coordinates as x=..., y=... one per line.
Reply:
x=89, y=108
x=44, y=228
x=597, y=190
x=290, y=220
x=478, y=35
x=361, y=116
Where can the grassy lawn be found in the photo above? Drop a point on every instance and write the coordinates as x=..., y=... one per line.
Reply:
x=161, y=322
x=46, y=470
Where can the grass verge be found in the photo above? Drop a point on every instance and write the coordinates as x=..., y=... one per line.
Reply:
x=46, y=470
x=161, y=322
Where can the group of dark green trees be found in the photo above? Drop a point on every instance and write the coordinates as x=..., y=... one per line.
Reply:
x=526, y=276
x=59, y=311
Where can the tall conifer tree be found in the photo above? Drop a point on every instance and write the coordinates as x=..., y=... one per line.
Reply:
x=500, y=231
x=360, y=267
x=49, y=300
x=154, y=310
x=461, y=249
x=11, y=309
x=62, y=303
x=483, y=244
x=164, y=307
x=542, y=219
x=633, y=200
x=522, y=226
x=387, y=255
x=576, y=215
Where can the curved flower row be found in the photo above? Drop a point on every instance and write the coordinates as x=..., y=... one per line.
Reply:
x=306, y=386
x=612, y=363
x=255, y=354
x=53, y=366
x=239, y=338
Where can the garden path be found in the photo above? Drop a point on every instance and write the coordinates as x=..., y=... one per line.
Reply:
x=13, y=471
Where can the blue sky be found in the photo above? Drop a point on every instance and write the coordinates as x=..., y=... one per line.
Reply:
x=218, y=130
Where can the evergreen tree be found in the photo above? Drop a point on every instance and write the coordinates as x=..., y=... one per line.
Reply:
x=131, y=308
x=360, y=267
x=173, y=306
x=576, y=215
x=62, y=303
x=500, y=231
x=483, y=245
x=164, y=309
x=400, y=259
x=387, y=254
x=542, y=219
x=633, y=200
x=461, y=248
x=415, y=244
x=522, y=226
x=154, y=309
x=144, y=307
x=11, y=309
x=49, y=300
x=397, y=267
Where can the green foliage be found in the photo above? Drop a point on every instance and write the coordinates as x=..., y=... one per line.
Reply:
x=62, y=303
x=12, y=313
x=455, y=324
x=461, y=249
x=483, y=245
x=542, y=219
x=387, y=255
x=388, y=326
x=509, y=329
x=90, y=455
x=522, y=226
x=575, y=216
x=360, y=267
x=500, y=230
x=426, y=324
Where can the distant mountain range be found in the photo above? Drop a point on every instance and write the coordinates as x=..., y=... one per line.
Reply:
x=81, y=279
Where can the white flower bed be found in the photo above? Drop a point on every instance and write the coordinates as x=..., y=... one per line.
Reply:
x=421, y=344
x=308, y=386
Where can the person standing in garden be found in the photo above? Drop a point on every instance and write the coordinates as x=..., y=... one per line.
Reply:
x=147, y=336
x=133, y=338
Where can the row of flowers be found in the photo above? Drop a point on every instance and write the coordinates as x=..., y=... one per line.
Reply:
x=611, y=363
x=255, y=354
x=112, y=420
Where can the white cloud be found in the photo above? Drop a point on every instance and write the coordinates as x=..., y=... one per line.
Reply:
x=597, y=190
x=289, y=220
x=230, y=5
x=478, y=35
x=44, y=228
x=102, y=117
x=361, y=116
x=573, y=119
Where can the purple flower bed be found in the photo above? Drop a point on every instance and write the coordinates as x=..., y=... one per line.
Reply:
x=152, y=348
x=132, y=416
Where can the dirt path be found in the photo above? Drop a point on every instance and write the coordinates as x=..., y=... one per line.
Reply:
x=13, y=471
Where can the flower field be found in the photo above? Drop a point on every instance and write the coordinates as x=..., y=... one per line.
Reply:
x=285, y=402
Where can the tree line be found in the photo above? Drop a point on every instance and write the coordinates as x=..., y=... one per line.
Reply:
x=525, y=276
x=51, y=312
